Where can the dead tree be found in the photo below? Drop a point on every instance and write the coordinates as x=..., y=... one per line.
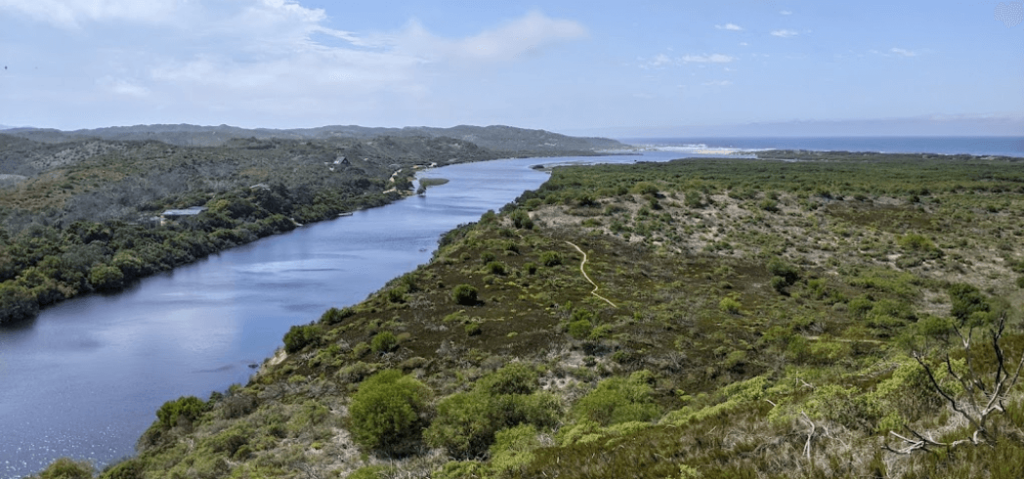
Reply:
x=982, y=396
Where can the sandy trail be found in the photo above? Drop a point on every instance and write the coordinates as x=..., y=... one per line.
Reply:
x=594, y=292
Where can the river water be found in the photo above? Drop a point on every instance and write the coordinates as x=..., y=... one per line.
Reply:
x=85, y=378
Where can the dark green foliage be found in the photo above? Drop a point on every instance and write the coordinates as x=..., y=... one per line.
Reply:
x=396, y=295
x=180, y=412
x=778, y=283
x=617, y=400
x=128, y=469
x=550, y=258
x=372, y=472
x=65, y=468
x=387, y=411
x=300, y=336
x=106, y=278
x=521, y=219
x=515, y=378
x=16, y=302
x=496, y=267
x=473, y=329
x=967, y=301
x=465, y=295
x=780, y=268
x=384, y=342
x=466, y=423
x=335, y=316
x=580, y=329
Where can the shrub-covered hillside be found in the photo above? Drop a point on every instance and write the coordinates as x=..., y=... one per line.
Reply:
x=81, y=216
x=834, y=316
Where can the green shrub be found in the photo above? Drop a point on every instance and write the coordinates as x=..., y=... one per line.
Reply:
x=729, y=305
x=694, y=199
x=916, y=242
x=461, y=469
x=1020, y=282
x=128, y=469
x=645, y=188
x=496, y=267
x=384, y=342
x=386, y=412
x=473, y=329
x=550, y=258
x=514, y=378
x=181, y=411
x=617, y=400
x=779, y=284
x=967, y=300
x=465, y=424
x=66, y=468
x=521, y=219
x=373, y=472
x=580, y=329
x=465, y=295
x=396, y=295
x=531, y=268
x=300, y=336
x=336, y=316
x=106, y=278
x=779, y=267
x=513, y=448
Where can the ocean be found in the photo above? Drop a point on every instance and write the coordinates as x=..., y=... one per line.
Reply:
x=973, y=145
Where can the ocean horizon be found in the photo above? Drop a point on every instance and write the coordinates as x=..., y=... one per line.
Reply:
x=1012, y=146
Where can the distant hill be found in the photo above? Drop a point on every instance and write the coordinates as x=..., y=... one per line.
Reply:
x=499, y=138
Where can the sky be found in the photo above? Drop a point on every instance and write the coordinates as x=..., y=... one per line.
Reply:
x=588, y=66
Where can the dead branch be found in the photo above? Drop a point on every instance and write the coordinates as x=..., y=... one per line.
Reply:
x=980, y=398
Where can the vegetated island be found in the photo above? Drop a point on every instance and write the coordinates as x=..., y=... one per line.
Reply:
x=830, y=315
x=94, y=210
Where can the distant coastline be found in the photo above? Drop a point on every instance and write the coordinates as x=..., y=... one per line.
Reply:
x=1012, y=146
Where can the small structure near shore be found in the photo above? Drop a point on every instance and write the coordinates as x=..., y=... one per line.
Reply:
x=175, y=214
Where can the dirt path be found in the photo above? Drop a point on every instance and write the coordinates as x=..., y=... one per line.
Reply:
x=585, y=276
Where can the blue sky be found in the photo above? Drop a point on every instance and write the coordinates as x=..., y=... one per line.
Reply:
x=573, y=66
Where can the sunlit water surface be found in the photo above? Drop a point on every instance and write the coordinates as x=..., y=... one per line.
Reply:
x=85, y=378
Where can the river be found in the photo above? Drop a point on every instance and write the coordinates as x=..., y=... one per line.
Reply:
x=85, y=378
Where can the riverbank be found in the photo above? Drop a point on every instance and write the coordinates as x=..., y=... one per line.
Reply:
x=197, y=328
x=746, y=295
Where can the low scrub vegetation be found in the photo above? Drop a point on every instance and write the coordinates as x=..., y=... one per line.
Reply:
x=846, y=315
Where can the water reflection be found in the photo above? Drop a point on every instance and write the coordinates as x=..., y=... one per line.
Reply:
x=85, y=378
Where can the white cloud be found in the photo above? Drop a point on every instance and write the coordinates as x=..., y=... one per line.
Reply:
x=662, y=60
x=786, y=12
x=274, y=61
x=715, y=58
x=124, y=87
x=784, y=33
x=718, y=83
x=529, y=34
x=72, y=13
x=744, y=44
x=903, y=52
x=729, y=26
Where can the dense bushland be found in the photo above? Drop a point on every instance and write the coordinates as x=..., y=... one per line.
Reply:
x=84, y=218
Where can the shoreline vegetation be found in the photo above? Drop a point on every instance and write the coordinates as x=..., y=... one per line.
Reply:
x=83, y=214
x=841, y=315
